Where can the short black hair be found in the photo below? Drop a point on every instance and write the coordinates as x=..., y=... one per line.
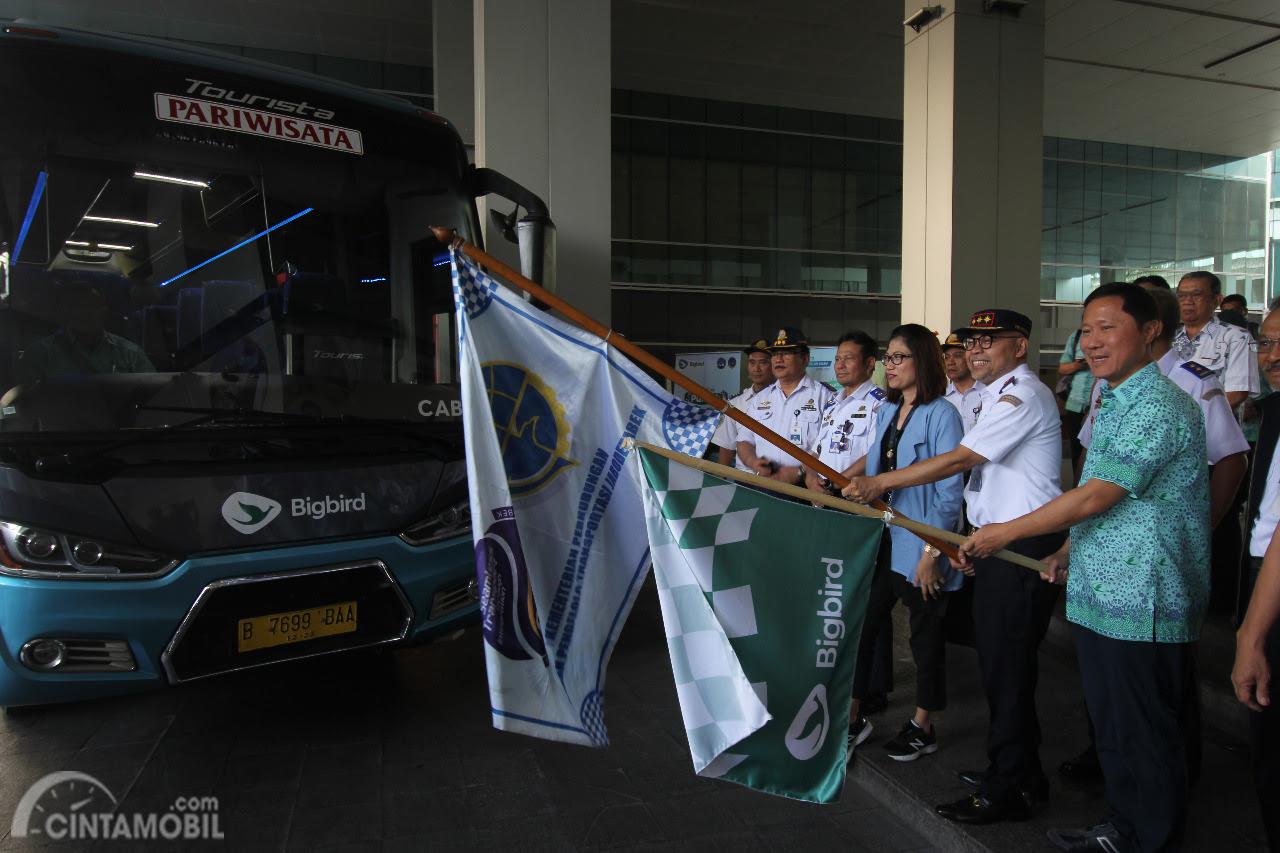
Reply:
x=1136, y=300
x=1167, y=313
x=1151, y=278
x=1215, y=283
x=866, y=343
x=1236, y=297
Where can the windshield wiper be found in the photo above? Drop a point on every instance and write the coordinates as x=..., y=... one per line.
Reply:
x=233, y=417
x=205, y=416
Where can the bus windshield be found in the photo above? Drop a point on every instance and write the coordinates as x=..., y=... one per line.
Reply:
x=176, y=239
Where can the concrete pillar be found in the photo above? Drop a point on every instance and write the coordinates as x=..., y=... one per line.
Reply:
x=542, y=84
x=453, y=65
x=973, y=104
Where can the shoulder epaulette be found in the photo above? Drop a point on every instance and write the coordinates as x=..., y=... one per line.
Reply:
x=1197, y=369
x=1012, y=380
x=876, y=392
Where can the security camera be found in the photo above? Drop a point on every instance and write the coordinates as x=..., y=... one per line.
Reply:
x=923, y=16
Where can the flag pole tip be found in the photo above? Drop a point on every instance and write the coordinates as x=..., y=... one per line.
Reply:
x=446, y=235
x=628, y=443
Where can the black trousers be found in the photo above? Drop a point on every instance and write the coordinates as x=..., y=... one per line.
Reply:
x=928, y=639
x=1264, y=735
x=1011, y=611
x=1135, y=692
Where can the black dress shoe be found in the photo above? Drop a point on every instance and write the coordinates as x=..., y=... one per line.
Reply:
x=1083, y=768
x=977, y=809
x=1035, y=791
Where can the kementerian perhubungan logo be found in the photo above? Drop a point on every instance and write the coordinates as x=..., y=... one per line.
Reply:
x=72, y=806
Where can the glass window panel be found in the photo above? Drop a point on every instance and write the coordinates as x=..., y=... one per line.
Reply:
x=724, y=203
x=862, y=127
x=792, y=208
x=688, y=200
x=649, y=197
x=688, y=109
x=649, y=104
x=724, y=112
x=759, y=201
x=758, y=115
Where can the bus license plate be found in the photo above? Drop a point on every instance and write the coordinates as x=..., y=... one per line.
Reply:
x=295, y=626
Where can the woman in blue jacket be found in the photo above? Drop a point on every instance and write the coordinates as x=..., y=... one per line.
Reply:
x=914, y=423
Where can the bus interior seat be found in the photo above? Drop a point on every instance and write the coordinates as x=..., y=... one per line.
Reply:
x=313, y=293
x=187, y=316
x=157, y=333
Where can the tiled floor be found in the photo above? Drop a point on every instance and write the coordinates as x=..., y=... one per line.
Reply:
x=395, y=752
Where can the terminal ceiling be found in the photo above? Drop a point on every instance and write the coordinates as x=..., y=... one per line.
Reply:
x=1130, y=71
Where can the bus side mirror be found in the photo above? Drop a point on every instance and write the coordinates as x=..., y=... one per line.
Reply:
x=536, y=237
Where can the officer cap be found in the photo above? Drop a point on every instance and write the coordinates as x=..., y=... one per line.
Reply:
x=997, y=320
x=789, y=338
x=955, y=339
x=759, y=345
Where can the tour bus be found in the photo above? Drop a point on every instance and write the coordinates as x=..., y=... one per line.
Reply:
x=228, y=432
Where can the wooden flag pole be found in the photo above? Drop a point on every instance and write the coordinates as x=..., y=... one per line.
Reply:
x=451, y=238
x=918, y=528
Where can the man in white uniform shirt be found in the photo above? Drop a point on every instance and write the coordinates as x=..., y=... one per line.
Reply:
x=1015, y=454
x=760, y=374
x=1203, y=338
x=963, y=391
x=792, y=407
x=849, y=420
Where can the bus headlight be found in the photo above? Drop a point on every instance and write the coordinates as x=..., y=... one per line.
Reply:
x=38, y=552
x=453, y=520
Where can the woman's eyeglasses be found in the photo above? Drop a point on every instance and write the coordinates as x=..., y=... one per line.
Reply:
x=896, y=358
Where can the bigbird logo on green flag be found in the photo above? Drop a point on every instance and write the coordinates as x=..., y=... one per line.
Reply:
x=763, y=601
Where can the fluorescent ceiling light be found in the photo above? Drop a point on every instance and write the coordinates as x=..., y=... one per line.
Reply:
x=118, y=221
x=115, y=246
x=79, y=243
x=171, y=179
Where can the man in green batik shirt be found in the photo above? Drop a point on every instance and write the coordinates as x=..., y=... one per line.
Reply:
x=1138, y=581
x=83, y=345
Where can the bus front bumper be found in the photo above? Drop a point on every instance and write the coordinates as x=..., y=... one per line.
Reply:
x=223, y=613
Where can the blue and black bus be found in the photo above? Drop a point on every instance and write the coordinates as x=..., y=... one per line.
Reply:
x=228, y=436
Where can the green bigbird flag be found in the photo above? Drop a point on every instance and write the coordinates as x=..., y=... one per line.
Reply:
x=763, y=601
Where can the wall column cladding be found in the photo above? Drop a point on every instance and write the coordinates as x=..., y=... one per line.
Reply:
x=542, y=77
x=973, y=94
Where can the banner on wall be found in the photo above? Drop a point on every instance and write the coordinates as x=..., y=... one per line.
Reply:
x=719, y=371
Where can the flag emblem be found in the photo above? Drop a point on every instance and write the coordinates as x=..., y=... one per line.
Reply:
x=533, y=433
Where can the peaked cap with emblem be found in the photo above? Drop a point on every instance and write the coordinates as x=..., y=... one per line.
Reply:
x=997, y=320
x=955, y=339
x=788, y=338
x=758, y=345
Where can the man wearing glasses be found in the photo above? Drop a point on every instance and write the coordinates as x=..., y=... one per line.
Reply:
x=1015, y=453
x=1219, y=346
